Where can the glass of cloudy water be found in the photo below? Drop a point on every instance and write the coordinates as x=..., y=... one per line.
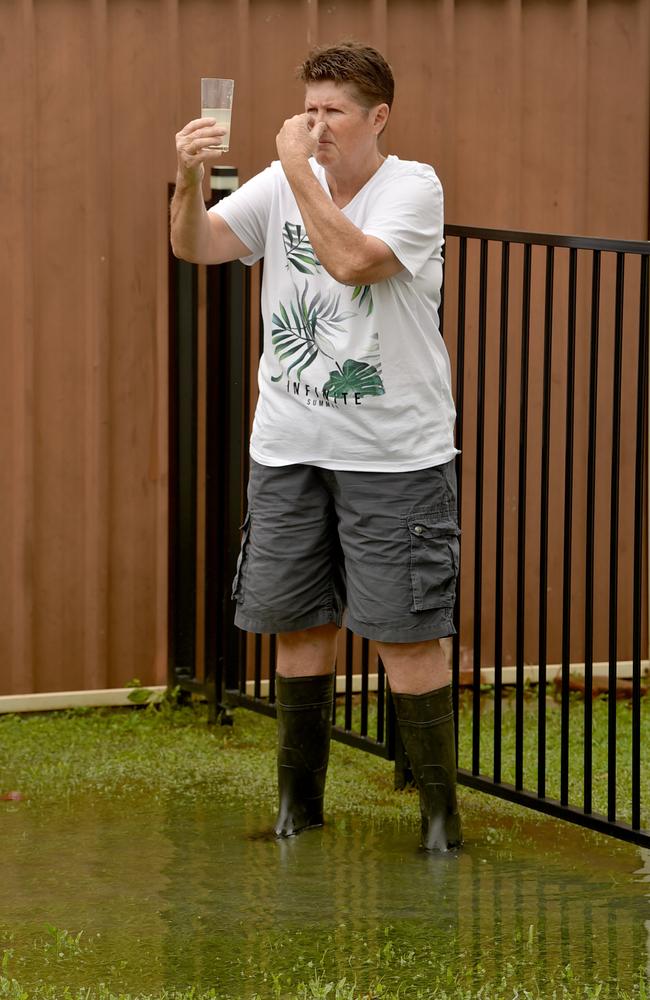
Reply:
x=216, y=102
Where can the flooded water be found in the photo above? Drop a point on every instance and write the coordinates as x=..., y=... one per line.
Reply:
x=182, y=893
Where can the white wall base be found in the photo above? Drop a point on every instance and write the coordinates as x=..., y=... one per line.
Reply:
x=508, y=676
x=69, y=699
x=57, y=700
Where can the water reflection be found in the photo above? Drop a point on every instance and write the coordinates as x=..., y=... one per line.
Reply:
x=644, y=873
x=539, y=901
x=187, y=892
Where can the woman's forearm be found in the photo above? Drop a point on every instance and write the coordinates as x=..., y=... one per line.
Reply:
x=191, y=236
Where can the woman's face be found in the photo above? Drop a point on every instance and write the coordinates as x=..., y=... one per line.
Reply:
x=351, y=132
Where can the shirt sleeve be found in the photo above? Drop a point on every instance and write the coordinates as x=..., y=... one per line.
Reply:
x=409, y=217
x=247, y=212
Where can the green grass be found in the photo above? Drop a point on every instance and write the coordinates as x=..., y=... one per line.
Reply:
x=62, y=758
x=317, y=985
x=576, y=757
x=423, y=973
x=46, y=755
x=576, y=728
x=58, y=756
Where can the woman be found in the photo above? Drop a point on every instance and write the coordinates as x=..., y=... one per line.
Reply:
x=352, y=499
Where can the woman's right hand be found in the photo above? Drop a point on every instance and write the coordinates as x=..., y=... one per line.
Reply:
x=195, y=147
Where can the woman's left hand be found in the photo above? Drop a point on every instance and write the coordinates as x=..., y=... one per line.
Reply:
x=298, y=138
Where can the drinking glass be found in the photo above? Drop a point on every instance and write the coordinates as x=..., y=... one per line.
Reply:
x=216, y=102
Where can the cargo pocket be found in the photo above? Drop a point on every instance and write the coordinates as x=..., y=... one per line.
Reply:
x=238, y=582
x=434, y=539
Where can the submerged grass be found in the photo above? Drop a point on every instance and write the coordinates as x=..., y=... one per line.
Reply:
x=170, y=751
x=421, y=972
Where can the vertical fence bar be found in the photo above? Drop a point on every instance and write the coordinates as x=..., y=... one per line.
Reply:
x=521, y=519
x=272, y=667
x=227, y=346
x=590, y=539
x=349, y=638
x=183, y=381
x=460, y=383
x=639, y=491
x=391, y=724
x=568, y=527
x=478, y=512
x=235, y=323
x=258, y=666
x=364, y=697
x=613, y=535
x=381, y=698
x=242, y=674
x=214, y=569
x=543, y=532
x=501, y=476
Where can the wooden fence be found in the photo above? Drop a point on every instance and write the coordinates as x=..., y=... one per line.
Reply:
x=535, y=114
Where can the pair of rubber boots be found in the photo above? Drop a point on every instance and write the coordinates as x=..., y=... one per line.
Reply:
x=304, y=707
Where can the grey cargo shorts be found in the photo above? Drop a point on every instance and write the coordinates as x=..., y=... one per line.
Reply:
x=383, y=545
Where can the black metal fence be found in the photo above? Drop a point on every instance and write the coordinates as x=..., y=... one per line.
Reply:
x=548, y=338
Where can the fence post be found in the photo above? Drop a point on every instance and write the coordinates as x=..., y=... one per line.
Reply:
x=181, y=617
x=227, y=322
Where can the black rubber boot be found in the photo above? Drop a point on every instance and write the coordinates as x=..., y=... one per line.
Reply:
x=304, y=707
x=426, y=723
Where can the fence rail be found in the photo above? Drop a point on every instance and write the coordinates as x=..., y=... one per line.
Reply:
x=548, y=339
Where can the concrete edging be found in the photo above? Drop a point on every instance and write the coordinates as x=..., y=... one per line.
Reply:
x=116, y=697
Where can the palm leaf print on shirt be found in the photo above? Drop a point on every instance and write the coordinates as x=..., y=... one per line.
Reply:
x=304, y=331
x=354, y=377
x=298, y=249
x=364, y=294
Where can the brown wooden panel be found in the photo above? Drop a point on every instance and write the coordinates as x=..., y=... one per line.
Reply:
x=137, y=38
x=16, y=346
x=422, y=124
x=60, y=389
x=616, y=148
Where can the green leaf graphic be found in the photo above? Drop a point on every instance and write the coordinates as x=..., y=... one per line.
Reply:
x=354, y=376
x=298, y=249
x=365, y=291
x=300, y=337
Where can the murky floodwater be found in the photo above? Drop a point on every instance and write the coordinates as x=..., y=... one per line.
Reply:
x=184, y=893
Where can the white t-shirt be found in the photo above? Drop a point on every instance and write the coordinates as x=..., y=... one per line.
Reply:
x=350, y=378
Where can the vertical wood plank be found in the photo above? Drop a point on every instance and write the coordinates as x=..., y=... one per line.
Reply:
x=617, y=136
x=159, y=469
x=16, y=373
x=96, y=347
x=60, y=252
x=312, y=23
x=137, y=36
x=379, y=30
x=581, y=164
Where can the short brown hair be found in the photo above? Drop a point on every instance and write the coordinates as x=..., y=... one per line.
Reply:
x=351, y=62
